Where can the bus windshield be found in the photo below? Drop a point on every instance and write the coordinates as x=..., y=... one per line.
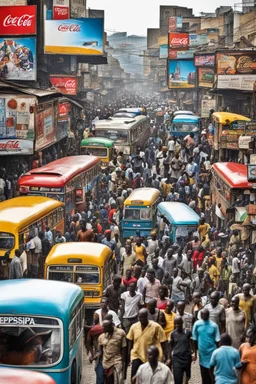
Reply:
x=119, y=136
x=138, y=214
x=100, y=152
x=6, y=240
x=183, y=231
x=183, y=127
x=30, y=340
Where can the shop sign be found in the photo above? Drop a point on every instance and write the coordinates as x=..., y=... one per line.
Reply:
x=205, y=61
x=205, y=77
x=244, y=142
x=195, y=40
x=60, y=9
x=206, y=106
x=181, y=74
x=18, y=20
x=232, y=145
x=163, y=51
x=65, y=84
x=240, y=82
x=18, y=58
x=45, y=128
x=162, y=40
x=16, y=147
x=236, y=63
x=78, y=8
x=251, y=172
x=252, y=209
x=16, y=117
x=175, y=54
x=90, y=96
x=174, y=23
x=82, y=36
x=178, y=40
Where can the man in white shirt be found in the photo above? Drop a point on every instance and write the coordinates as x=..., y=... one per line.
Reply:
x=132, y=301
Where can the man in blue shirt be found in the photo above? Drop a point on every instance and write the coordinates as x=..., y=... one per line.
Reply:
x=206, y=336
x=226, y=360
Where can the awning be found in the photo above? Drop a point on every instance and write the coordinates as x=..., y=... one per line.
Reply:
x=241, y=214
x=73, y=102
x=38, y=92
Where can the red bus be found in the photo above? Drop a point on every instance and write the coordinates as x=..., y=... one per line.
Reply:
x=67, y=180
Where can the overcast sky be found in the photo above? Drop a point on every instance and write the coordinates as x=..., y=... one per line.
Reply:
x=135, y=16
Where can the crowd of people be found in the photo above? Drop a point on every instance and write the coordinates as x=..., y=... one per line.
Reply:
x=170, y=303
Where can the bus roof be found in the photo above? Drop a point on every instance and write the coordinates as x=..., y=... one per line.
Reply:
x=227, y=118
x=142, y=196
x=178, y=213
x=38, y=297
x=234, y=174
x=136, y=111
x=94, y=141
x=185, y=119
x=59, y=172
x=19, y=212
x=183, y=113
x=119, y=123
x=91, y=253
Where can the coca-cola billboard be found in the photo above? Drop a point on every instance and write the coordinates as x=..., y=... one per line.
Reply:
x=60, y=9
x=19, y=20
x=16, y=147
x=65, y=85
x=178, y=40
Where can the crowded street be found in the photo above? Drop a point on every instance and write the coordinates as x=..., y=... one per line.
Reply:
x=127, y=194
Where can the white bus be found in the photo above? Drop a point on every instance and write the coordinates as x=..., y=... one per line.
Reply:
x=127, y=132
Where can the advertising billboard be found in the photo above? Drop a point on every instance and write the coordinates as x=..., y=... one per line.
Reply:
x=60, y=9
x=206, y=106
x=174, y=23
x=236, y=63
x=45, y=128
x=241, y=82
x=163, y=51
x=205, y=77
x=16, y=147
x=175, y=54
x=74, y=37
x=18, y=58
x=18, y=20
x=178, y=40
x=64, y=84
x=205, y=61
x=181, y=74
x=195, y=39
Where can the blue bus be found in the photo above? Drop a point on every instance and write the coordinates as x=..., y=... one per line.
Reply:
x=183, y=125
x=181, y=219
x=41, y=328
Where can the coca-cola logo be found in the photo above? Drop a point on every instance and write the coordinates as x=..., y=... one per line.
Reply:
x=10, y=144
x=70, y=84
x=61, y=11
x=179, y=41
x=21, y=21
x=69, y=28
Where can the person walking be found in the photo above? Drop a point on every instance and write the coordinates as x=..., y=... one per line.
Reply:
x=225, y=361
x=153, y=371
x=248, y=357
x=206, y=336
x=15, y=266
x=235, y=322
x=131, y=303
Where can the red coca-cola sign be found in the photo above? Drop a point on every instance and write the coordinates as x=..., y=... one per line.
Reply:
x=69, y=28
x=178, y=40
x=65, y=85
x=18, y=20
x=60, y=13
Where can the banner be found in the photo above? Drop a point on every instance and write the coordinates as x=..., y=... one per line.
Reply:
x=74, y=37
x=175, y=54
x=163, y=51
x=16, y=147
x=18, y=58
x=45, y=128
x=65, y=84
x=60, y=9
x=205, y=77
x=241, y=82
x=205, y=61
x=174, y=23
x=181, y=74
x=178, y=40
x=206, y=106
x=19, y=20
x=236, y=63
x=195, y=39
x=16, y=121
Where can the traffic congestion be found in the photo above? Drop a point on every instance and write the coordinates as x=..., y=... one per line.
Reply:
x=120, y=262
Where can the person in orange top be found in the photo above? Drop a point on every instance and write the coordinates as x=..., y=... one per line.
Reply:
x=248, y=358
x=140, y=251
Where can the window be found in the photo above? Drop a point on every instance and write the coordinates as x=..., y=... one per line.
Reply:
x=100, y=152
x=119, y=136
x=61, y=276
x=183, y=231
x=87, y=274
x=30, y=341
x=76, y=323
x=146, y=214
x=132, y=214
x=183, y=127
x=6, y=240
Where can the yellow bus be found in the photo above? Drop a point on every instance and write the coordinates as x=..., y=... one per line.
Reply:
x=90, y=265
x=22, y=216
x=140, y=212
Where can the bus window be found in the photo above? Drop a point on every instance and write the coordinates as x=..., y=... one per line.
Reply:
x=87, y=275
x=132, y=214
x=76, y=324
x=146, y=214
x=61, y=276
x=6, y=240
x=36, y=342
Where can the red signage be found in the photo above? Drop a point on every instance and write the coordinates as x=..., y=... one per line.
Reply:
x=60, y=13
x=18, y=20
x=178, y=40
x=65, y=85
x=172, y=24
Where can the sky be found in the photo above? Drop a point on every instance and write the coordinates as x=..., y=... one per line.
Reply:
x=135, y=16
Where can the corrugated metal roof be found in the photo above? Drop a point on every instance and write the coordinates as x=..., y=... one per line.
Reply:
x=29, y=91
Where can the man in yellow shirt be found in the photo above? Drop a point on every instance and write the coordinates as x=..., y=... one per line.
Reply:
x=247, y=302
x=166, y=318
x=203, y=228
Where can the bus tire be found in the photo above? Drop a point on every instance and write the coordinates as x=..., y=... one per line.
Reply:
x=73, y=373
